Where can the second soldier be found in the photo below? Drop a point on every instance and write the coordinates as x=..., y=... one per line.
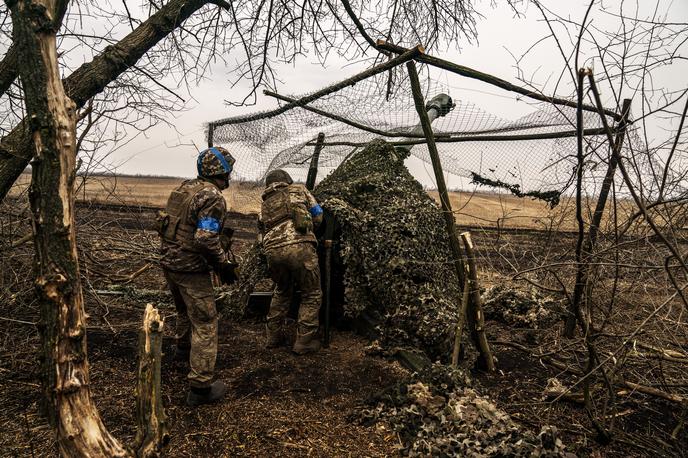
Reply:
x=289, y=214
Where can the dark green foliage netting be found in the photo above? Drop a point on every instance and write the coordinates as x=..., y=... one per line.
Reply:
x=438, y=413
x=394, y=249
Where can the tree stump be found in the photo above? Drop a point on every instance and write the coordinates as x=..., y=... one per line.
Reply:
x=152, y=434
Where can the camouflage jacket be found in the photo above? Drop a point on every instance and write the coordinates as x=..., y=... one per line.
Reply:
x=206, y=213
x=285, y=233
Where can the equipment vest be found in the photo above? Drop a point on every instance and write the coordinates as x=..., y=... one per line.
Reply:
x=174, y=226
x=276, y=207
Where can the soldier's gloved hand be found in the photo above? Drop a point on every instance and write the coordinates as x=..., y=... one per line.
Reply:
x=228, y=272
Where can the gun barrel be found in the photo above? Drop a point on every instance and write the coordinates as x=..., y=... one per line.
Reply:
x=437, y=107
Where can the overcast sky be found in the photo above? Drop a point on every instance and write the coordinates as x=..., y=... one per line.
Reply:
x=501, y=35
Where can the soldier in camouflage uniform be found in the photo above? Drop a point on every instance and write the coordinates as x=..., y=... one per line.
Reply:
x=190, y=230
x=288, y=216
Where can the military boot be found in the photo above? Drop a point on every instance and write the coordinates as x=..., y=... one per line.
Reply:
x=306, y=342
x=274, y=330
x=206, y=394
x=275, y=336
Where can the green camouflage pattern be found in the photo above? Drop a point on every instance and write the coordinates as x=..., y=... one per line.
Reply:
x=208, y=252
x=294, y=266
x=278, y=176
x=436, y=412
x=196, y=326
x=211, y=165
x=285, y=233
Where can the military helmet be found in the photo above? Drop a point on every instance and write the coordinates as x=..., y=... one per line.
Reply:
x=214, y=161
x=277, y=176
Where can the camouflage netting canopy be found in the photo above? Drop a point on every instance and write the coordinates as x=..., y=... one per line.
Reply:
x=530, y=155
x=394, y=248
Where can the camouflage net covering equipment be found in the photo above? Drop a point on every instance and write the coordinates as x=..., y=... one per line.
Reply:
x=394, y=249
x=437, y=413
x=521, y=308
x=394, y=253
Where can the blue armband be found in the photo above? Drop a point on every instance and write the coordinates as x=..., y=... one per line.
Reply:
x=208, y=223
x=315, y=210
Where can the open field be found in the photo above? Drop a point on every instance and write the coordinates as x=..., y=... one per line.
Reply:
x=476, y=209
x=148, y=191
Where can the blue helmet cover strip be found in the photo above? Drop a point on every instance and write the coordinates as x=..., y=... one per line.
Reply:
x=218, y=155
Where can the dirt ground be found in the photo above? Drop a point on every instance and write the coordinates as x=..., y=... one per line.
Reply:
x=279, y=404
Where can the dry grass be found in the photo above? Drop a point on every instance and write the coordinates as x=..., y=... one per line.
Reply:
x=243, y=197
x=479, y=209
x=504, y=210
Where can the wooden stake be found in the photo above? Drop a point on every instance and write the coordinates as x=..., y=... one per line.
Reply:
x=211, y=131
x=437, y=168
x=152, y=433
x=327, y=292
x=313, y=169
x=476, y=319
x=459, y=324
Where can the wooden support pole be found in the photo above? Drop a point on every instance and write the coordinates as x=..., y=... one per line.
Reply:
x=341, y=119
x=615, y=149
x=475, y=316
x=489, y=79
x=437, y=169
x=383, y=67
x=211, y=131
x=328, y=291
x=591, y=239
x=478, y=138
x=313, y=169
x=152, y=434
x=329, y=221
x=459, y=325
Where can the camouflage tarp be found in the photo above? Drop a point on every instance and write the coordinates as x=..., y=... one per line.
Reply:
x=394, y=248
x=437, y=413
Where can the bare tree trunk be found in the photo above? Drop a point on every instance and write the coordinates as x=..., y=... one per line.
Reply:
x=9, y=66
x=8, y=69
x=90, y=79
x=152, y=432
x=575, y=306
x=52, y=127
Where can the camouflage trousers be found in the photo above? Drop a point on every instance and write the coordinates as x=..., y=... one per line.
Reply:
x=295, y=266
x=196, y=327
